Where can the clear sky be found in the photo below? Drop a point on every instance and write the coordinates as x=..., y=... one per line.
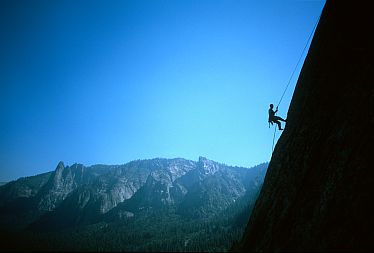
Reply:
x=113, y=81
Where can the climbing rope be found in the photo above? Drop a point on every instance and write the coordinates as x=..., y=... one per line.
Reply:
x=272, y=147
x=297, y=64
x=293, y=72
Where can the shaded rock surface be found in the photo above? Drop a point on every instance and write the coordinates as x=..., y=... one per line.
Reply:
x=77, y=195
x=319, y=187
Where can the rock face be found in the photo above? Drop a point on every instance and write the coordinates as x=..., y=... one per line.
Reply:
x=319, y=187
x=62, y=182
x=23, y=188
x=79, y=195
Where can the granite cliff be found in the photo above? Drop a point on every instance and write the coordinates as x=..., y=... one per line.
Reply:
x=319, y=187
x=144, y=205
x=78, y=195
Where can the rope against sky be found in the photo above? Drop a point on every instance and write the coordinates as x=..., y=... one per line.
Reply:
x=293, y=72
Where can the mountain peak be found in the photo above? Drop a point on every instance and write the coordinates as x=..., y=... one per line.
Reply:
x=60, y=166
x=208, y=166
x=203, y=159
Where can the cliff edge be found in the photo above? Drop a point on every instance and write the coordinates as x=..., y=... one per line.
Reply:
x=318, y=192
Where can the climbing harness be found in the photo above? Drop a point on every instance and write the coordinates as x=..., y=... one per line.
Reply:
x=293, y=72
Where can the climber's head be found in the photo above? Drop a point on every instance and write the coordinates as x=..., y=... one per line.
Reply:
x=271, y=106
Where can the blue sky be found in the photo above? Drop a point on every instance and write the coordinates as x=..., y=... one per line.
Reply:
x=113, y=81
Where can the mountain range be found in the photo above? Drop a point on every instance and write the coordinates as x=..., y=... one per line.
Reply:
x=92, y=198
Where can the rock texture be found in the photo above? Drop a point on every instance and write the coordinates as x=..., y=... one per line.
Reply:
x=78, y=195
x=319, y=188
x=25, y=187
x=65, y=180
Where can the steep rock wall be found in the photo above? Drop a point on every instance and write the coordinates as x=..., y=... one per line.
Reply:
x=318, y=192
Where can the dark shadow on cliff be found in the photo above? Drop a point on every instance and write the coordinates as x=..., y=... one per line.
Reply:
x=319, y=187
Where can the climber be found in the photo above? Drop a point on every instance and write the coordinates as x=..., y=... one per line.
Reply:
x=273, y=118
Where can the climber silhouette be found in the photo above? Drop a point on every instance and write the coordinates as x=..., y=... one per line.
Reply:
x=273, y=118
